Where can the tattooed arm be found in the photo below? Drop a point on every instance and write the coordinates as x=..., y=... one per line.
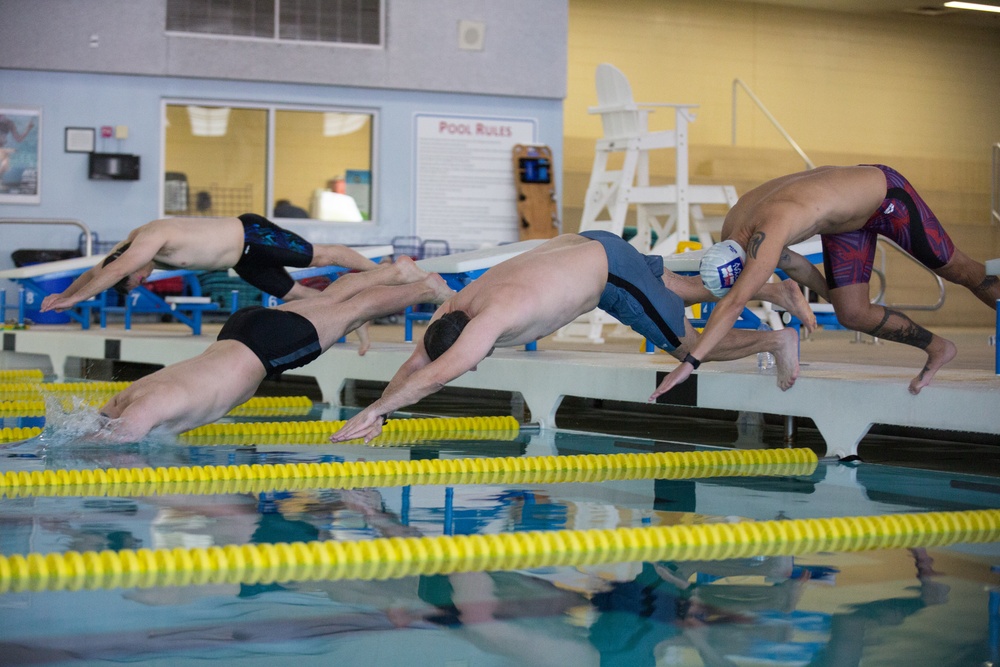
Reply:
x=801, y=271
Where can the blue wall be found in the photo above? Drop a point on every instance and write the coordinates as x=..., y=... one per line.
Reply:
x=113, y=208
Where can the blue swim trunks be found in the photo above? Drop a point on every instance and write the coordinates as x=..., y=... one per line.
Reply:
x=635, y=294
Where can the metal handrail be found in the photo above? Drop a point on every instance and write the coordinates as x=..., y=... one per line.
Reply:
x=907, y=306
x=738, y=83
x=995, y=190
x=88, y=238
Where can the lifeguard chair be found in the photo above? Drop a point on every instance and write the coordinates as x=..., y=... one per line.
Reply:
x=666, y=210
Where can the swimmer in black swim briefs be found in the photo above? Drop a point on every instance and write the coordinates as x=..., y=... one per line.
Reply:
x=255, y=247
x=281, y=339
x=256, y=343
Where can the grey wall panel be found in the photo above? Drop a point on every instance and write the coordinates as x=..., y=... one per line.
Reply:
x=524, y=53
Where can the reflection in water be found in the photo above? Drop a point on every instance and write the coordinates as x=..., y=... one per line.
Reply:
x=822, y=609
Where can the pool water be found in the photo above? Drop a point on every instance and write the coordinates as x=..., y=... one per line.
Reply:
x=920, y=606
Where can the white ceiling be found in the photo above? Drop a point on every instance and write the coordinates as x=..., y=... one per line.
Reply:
x=930, y=10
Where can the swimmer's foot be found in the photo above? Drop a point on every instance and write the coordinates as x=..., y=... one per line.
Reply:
x=786, y=357
x=795, y=302
x=440, y=288
x=939, y=353
x=364, y=342
x=408, y=270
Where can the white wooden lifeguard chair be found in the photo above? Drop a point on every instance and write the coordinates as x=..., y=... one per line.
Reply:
x=666, y=210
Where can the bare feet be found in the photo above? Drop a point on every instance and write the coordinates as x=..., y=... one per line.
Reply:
x=786, y=357
x=788, y=295
x=939, y=352
x=441, y=290
x=363, y=340
x=409, y=272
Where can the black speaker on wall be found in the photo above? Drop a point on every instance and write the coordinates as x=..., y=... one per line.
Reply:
x=114, y=167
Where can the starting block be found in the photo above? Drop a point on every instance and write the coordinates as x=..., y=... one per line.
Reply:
x=32, y=277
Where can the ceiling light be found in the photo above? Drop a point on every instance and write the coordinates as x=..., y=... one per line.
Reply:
x=973, y=5
x=207, y=121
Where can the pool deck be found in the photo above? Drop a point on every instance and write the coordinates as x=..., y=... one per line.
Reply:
x=844, y=386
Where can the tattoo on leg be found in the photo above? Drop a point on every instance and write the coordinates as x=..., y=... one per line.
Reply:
x=907, y=331
x=987, y=286
x=753, y=245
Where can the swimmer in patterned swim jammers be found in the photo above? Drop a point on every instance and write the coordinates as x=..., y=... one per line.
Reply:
x=849, y=207
x=256, y=248
x=256, y=343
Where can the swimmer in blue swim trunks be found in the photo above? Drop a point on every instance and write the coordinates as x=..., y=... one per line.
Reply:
x=256, y=248
x=256, y=343
x=849, y=207
x=534, y=294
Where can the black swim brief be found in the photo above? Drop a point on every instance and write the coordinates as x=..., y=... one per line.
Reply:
x=267, y=250
x=635, y=294
x=281, y=339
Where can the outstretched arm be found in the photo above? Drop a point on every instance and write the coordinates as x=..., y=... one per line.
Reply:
x=418, y=378
x=141, y=252
x=762, y=259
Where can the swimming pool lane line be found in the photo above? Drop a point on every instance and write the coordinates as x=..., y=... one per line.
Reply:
x=17, y=433
x=21, y=375
x=8, y=388
x=584, y=468
x=427, y=426
x=387, y=558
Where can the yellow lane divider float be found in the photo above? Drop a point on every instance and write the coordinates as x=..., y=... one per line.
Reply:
x=386, y=558
x=16, y=434
x=21, y=375
x=360, y=474
x=28, y=400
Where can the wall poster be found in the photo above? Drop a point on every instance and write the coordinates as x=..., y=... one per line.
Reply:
x=20, y=156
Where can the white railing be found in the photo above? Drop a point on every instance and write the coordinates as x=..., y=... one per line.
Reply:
x=88, y=239
x=737, y=84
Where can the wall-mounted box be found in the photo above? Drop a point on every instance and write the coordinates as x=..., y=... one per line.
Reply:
x=114, y=167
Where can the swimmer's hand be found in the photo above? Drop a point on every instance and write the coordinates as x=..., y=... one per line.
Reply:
x=56, y=302
x=366, y=424
x=677, y=376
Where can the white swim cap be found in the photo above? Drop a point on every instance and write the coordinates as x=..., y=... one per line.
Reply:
x=721, y=265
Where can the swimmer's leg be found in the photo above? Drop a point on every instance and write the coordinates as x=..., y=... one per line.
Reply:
x=856, y=312
x=967, y=272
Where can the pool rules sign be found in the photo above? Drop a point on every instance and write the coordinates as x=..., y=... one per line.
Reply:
x=465, y=191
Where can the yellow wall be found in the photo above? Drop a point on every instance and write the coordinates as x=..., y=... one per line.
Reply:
x=902, y=90
x=307, y=159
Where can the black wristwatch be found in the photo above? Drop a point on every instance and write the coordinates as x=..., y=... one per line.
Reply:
x=689, y=359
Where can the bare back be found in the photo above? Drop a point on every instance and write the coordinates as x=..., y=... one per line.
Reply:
x=535, y=293
x=187, y=394
x=793, y=208
x=197, y=243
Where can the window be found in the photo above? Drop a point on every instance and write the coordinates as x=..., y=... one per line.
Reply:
x=330, y=21
x=223, y=160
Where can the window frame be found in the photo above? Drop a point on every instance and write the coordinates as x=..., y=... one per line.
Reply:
x=271, y=108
